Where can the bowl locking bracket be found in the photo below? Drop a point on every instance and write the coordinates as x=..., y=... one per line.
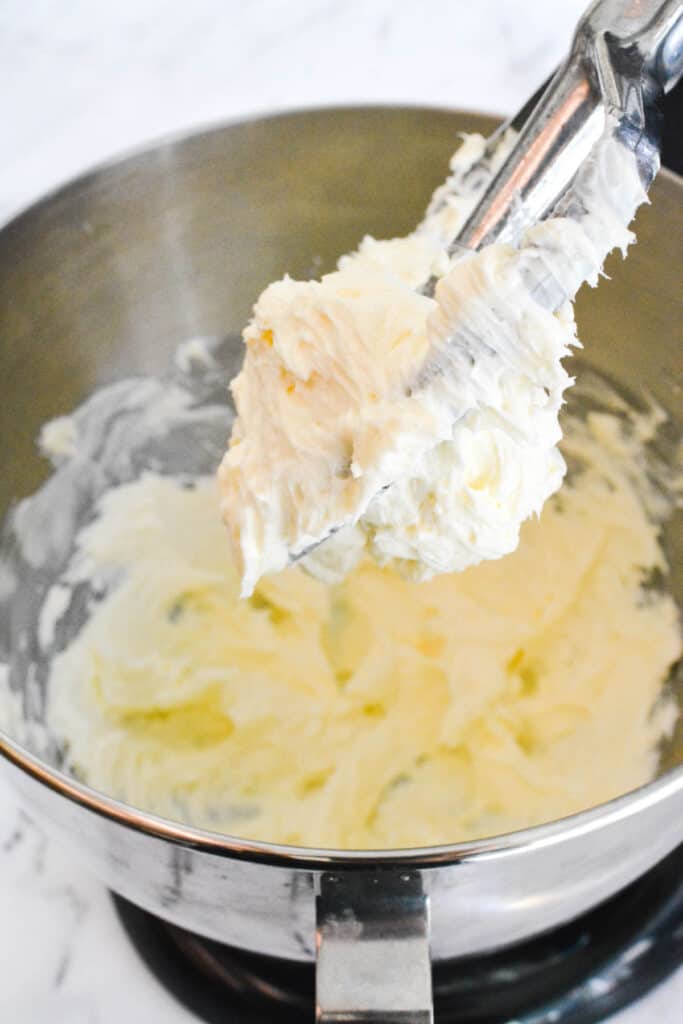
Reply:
x=372, y=940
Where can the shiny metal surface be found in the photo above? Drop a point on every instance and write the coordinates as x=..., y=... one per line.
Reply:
x=623, y=57
x=102, y=280
x=373, y=949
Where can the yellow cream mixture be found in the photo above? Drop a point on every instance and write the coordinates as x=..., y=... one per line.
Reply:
x=377, y=712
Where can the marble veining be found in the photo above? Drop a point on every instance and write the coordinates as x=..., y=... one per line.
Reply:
x=81, y=82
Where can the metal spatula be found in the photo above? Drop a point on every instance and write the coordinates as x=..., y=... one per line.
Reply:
x=625, y=55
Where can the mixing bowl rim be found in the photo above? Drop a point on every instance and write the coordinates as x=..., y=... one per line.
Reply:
x=276, y=854
x=536, y=837
x=172, y=138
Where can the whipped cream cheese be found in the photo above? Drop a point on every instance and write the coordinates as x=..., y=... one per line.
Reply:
x=420, y=430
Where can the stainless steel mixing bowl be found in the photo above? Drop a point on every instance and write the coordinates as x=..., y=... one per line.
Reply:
x=103, y=279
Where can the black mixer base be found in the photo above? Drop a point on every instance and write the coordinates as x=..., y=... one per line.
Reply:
x=580, y=973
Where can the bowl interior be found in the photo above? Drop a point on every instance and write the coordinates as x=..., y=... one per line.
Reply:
x=105, y=278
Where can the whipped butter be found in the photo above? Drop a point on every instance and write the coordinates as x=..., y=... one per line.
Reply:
x=375, y=713
x=421, y=431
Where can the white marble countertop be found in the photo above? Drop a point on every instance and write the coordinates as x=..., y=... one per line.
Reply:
x=79, y=83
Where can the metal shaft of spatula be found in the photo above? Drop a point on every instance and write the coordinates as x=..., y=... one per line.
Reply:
x=625, y=55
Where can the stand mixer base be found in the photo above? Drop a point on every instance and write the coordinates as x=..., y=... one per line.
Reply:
x=580, y=973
